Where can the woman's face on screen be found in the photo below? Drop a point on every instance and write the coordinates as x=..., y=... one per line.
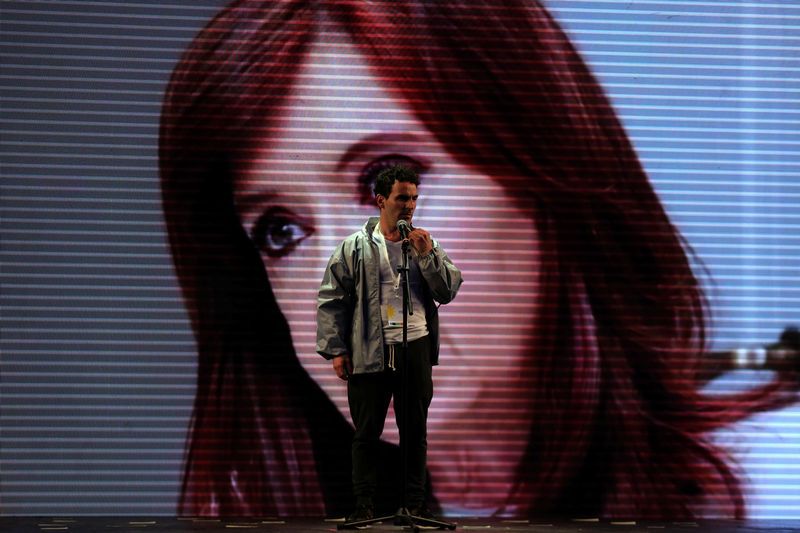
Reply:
x=311, y=186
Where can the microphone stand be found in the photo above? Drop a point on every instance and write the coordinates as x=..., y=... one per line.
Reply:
x=403, y=516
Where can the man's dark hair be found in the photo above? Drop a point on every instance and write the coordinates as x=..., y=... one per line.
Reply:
x=387, y=177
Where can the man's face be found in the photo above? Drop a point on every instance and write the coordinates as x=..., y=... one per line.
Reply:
x=400, y=204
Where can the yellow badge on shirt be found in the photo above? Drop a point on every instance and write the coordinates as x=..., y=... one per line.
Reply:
x=391, y=313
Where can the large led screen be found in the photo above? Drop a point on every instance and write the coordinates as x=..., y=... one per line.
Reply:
x=617, y=182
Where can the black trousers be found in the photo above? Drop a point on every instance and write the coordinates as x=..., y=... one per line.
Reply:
x=369, y=396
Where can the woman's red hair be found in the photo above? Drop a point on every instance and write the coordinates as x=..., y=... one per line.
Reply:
x=619, y=424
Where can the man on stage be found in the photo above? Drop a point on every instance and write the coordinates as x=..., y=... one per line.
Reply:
x=360, y=328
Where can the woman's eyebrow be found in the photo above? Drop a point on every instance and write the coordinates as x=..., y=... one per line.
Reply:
x=369, y=144
x=255, y=198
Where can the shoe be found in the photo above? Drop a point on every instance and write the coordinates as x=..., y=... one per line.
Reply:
x=422, y=512
x=362, y=512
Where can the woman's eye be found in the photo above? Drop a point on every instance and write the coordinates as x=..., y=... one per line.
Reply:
x=371, y=170
x=278, y=231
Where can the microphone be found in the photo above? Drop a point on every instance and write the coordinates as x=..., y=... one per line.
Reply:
x=784, y=353
x=403, y=227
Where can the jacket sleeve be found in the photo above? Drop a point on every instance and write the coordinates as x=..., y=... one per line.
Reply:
x=335, y=304
x=441, y=275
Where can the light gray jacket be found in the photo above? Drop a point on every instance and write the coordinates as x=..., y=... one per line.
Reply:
x=348, y=306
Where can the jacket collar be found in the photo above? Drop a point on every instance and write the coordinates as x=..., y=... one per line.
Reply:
x=369, y=228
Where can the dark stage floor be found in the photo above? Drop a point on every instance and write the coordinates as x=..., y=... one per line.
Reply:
x=298, y=525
